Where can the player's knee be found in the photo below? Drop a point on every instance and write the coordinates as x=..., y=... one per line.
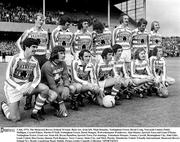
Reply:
x=44, y=89
x=15, y=118
x=52, y=95
x=72, y=89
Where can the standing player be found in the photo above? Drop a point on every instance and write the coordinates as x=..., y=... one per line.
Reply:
x=62, y=36
x=23, y=78
x=140, y=37
x=122, y=35
x=42, y=53
x=155, y=37
x=83, y=75
x=106, y=75
x=158, y=68
x=82, y=38
x=101, y=40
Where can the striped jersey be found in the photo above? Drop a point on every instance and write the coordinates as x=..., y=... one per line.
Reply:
x=21, y=71
x=83, y=73
x=154, y=40
x=42, y=35
x=101, y=41
x=140, y=39
x=140, y=68
x=119, y=67
x=122, y=36
x=157, y=65
x=82, y=40
x=62, y=38
x=104, y=70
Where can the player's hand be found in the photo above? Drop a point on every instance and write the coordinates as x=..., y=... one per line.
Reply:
x=62, y=112
x=65, y=93
x=48, y=55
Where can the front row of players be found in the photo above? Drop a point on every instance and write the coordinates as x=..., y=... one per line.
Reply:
x=53, y=85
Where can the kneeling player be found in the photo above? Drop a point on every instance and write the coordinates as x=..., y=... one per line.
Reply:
x=84, y=76
x=120, y=71
x=23, y=78
x=55, y=75
x=158, y=68
x=105, y=75
x=140, y=72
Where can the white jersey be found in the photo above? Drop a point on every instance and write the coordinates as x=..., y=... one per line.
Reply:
x=101, y=41
x=140, y=39
x=62, y=38
x=154, y=40
x=122, y=36
x=42, y=35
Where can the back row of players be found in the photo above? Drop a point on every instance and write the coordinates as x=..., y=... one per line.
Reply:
x=97, y=61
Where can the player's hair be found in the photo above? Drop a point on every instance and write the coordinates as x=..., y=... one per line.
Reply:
x=54, y=53
x=81, y=53
x=38, y=14
x=105, y=52
x=139, y=50
x=28, y=42
x=155, y=50
x=121, y=17
x=142, y=21
x=98, y=26
x=115, y=47
x=80, y=26
x=152, y=25
x=63, y=19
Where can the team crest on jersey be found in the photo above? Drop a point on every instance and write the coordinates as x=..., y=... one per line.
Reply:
x=102, y=39
x=156, y=40
x=63, y=39
x=123, y=36
x=42, y=36
x=140, y=39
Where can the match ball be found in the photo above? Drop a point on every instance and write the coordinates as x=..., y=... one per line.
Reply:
x=108, y=101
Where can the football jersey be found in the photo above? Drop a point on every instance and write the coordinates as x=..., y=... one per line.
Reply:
x=140, y=67
x=21, y=71
x=154, y=40
x=83, y=73
x=101, y=41
x=62, y=38
x=82, y=41
x=157, y=65
x=140, y=39
x=42, y=35
x=104, y=70
x=122, y=36
x=119, y=67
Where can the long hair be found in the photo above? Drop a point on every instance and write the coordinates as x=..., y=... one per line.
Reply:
x=121, y=17
x=142, y=21
x=155, y=50
x=152, y=25
x=54, y=53
x=80, y=26
x=63, y=19
x=115, y=47
x=81, y=53
x=98, y=26
x=136, y=54
x=105, y=52
x=28, y=42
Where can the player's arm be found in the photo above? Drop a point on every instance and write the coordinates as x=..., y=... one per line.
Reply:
x=65, y=75
x=9, y=73
x=21, y=39
x=74, y=66
x=124, y=71
x=53, y=37
x=164, y=71
x=113, y=36
x=48, y=72
x=133, y=74
x=73, y=44
x=37, y=76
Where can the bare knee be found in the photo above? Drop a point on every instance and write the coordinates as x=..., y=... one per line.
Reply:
x=15, y=118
